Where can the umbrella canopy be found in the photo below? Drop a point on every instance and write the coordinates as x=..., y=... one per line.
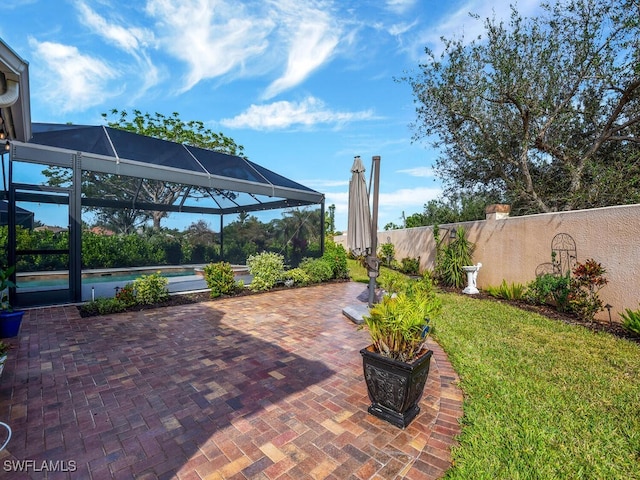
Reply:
x=359, y=220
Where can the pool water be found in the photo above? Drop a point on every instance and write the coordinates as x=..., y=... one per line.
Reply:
x=62, y=280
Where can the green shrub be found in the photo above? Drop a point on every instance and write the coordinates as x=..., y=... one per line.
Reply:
x=387, y=253
x=513, y=291
x=392, y=281
x=318, y=269
x=220, y=279
x=100, y=251
x=127, y=295
x=89, y=309
x=151, y=289
x=549, y=289
x=297, y=276
x=631, y=320
x=588, y=278
x=200, y=253
x=336, y=255
x=410, y=266
x=172, y=252
x=267, y=269
x=102, y=306
x=4, y=348
x=429, y=275
x=452, y=257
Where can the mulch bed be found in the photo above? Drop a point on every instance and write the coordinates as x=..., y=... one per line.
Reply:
x=203, y=296
x=614, y=328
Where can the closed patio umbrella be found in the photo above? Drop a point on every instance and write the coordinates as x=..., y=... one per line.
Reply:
x=359, y=215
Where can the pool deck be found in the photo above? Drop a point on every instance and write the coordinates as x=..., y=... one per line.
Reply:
x=267, y=386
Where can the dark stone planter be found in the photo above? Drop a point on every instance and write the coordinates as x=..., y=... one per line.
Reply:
x=10, y=323
x=395, y=387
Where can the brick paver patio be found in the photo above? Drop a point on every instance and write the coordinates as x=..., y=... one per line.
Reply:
x=265, y=386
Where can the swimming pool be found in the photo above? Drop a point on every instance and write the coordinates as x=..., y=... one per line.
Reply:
x=61, y=279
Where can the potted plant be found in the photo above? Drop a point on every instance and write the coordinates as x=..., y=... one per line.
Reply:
x=4, y=349
x=10, y=319
x=396, y=364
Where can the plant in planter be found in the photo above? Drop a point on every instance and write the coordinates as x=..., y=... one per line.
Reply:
x=396, y=364
x=10, y=319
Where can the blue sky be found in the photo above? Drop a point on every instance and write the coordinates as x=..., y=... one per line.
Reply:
x=304, y=86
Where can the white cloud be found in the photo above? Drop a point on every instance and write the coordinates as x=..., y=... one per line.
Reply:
x=400, y=6
x=401, y=28
x=339, y=198
x=312, y=38
x=213, y=37
x=391, y=205
x=317, y=183
x=341, y=202
x=280, y=115
x=72, y=81
x=418, y=171
x=129, y=39
x=459, y=23
x=16, y=5
x=404, y=198
x=409, y=197
x=132, y=40
x=221, y=38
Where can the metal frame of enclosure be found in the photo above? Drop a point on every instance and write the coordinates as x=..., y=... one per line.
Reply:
x=111, y=151
x=231, y=184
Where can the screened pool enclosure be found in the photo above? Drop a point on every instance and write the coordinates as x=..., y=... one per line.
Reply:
x=207, y=183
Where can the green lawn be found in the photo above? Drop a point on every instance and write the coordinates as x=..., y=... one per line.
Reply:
x=543, y=399
x=358, y=273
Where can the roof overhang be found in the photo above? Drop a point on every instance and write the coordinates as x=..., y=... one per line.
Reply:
x=16, y=114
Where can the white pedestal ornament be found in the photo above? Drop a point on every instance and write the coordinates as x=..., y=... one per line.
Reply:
x=472, y=275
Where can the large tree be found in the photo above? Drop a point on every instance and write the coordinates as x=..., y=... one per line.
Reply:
x=543, y=112
x=172, y=128
x=121, y=220
x=299, y=228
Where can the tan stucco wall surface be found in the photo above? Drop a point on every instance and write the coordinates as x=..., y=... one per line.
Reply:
x=512, y=248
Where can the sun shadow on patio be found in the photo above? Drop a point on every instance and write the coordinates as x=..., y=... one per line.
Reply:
x=125, y=387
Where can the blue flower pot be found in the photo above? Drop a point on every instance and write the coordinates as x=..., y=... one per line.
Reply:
x=10, y=323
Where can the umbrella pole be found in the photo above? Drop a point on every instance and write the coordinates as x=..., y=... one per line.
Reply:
x=373, y=258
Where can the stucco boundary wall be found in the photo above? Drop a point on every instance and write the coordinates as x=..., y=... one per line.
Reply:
x=511, y=248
